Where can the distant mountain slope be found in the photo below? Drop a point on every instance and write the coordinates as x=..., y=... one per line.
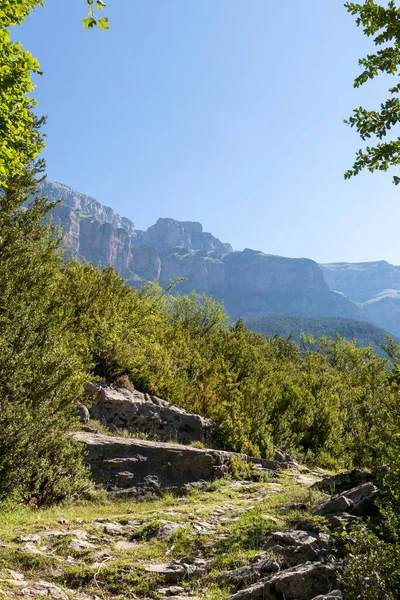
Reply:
x=364, y=333
x=249, y=282
x=374, y=286
x=361, y=281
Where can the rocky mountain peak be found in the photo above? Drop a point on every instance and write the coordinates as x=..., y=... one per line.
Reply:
x=249, y=282
x=169, y=233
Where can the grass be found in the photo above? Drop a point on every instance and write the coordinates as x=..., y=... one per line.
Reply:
x=226, y=524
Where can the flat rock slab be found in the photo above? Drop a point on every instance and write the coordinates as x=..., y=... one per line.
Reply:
x=126, y=463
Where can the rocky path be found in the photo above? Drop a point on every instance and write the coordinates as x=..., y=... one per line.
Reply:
x=231, y=539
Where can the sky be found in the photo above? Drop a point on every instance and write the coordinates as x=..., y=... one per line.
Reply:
x=227, y=112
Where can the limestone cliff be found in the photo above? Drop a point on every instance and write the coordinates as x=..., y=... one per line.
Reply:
x=249, y=282
x=373, y=286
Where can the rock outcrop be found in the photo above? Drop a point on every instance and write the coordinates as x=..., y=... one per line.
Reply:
x=140, y=465
x=361, y=281
x=134, y=412
x=358, y=501
x=299, y=583
x=250, y=283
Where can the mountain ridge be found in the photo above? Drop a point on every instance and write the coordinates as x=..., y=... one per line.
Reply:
x=248, y=281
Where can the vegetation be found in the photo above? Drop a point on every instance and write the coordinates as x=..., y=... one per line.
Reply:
x=383, y=24
x=115, y=565
x=362, y=333
x=326, y=401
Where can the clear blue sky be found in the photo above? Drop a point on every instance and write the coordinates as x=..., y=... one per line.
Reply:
x=227, y=112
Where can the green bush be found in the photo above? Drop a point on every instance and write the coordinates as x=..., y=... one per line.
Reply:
x=40, y=370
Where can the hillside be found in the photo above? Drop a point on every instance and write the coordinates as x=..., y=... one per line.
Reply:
x=364, y=333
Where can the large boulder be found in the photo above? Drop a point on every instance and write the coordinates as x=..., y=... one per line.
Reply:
x=336, y=484
x=249, y=574
x=301, y=583
x=126, y=463
x=135, y=412
x=358, y=501
x=296, y=547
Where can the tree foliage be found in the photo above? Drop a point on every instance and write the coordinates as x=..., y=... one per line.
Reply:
x=40, y=371
x=382, y=23
x=325, y=400
x=363, y=333
x=20, y=138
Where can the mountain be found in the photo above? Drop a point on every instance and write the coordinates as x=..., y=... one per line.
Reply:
x=373, y=286
x=364, y=333
x=249, y=282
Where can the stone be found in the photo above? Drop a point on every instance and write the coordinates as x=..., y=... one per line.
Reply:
x=283, y=457
x=113, y=529
x=171, y=572
x=325, y=541
x=178, y=570
x=251, y=573
x=30, y=537
x=363, y=498
x=173, y=590
x=167, y=530
x=298, y=547
x=298, y=583
x=32, y=548
x=334, y=594
x=337, y=484
x=135, y=412
x=45, y=590
x=358, y=501
x=336, y=504
x=341, y=520
x=132, y=465
x=78, y=533
x=82, y=413
x=80, y=545
x=294, y=537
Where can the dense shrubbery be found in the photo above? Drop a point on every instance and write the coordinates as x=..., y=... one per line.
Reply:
x=326, y=402
x=40, y=370
x=64, y=322
x=365, y=334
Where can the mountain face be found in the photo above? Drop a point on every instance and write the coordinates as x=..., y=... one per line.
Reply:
x=373, y=286
x=362, y=281
x=250, y=282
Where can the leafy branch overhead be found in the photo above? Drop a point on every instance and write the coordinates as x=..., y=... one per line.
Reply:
x=91, y=20
x=383, y=24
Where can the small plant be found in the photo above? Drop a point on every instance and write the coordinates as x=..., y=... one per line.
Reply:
x=250, y=531
x=239, y=469
x=124, y=382
x=197, y=444
x=147, y=530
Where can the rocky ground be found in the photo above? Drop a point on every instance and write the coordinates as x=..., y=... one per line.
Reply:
x=182, y=521
x=228, y=538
